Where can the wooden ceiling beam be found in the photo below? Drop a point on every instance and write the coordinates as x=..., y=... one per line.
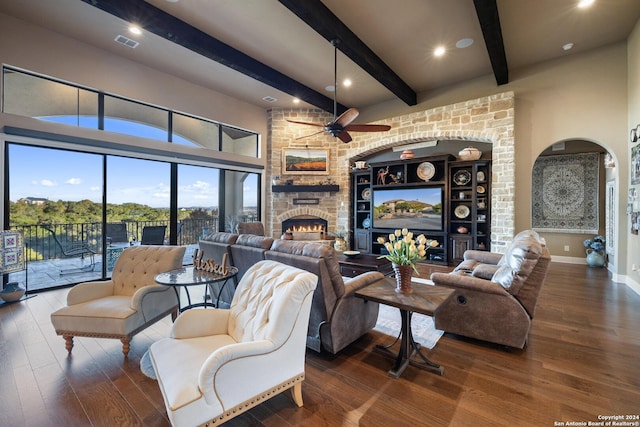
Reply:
x=179, y=32
x=487, y=11
x=315, y=14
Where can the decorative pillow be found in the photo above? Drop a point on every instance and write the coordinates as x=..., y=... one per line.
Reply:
x=504, y=276
x=517, y=263
x=484, y=271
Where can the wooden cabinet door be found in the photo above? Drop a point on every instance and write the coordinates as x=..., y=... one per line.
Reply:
x=458, y=246
x=362, y=241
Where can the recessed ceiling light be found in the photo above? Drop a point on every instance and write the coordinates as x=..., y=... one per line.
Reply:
x=346, y=82
x=296, y=101
x=134, y=29
x=583, y=4
x=462, y=43
x=440, y=50
x=567, y=46
x=330, y=88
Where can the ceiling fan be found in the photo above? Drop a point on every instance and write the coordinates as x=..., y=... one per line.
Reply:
x=341, y=125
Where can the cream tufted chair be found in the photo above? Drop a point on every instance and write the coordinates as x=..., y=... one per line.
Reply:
x=126, y=304
x=219, y=363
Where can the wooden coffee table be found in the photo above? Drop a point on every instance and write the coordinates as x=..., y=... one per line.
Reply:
x=425, y=299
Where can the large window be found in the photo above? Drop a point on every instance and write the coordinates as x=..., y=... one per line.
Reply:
x=61, y=199
x=30, y=95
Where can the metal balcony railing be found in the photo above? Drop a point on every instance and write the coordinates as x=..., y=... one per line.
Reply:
x=40, y=244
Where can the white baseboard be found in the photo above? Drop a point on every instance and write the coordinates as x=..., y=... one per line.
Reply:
x=568, y=259
x=635, y=286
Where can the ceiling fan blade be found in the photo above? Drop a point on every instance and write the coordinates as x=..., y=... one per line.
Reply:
x=311, y=134
x=304, y=123
x=344, y=136
x=347, y=117
x=367, y=128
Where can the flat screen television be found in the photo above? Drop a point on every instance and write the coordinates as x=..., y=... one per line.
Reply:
x=417, y=209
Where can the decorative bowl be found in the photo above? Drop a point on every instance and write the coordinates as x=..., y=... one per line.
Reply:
x=469, y=153
x=351, y=254
x=406, y=155
x=12, y=292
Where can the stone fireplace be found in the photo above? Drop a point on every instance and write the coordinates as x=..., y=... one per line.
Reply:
x=486, y=119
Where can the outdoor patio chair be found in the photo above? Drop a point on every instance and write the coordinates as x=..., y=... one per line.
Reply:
x=153, y=234
x=75, y=249
x=117, y=232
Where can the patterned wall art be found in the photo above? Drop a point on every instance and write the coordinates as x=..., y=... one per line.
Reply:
x=11, y=251
x=565, y=193
x=635, y=164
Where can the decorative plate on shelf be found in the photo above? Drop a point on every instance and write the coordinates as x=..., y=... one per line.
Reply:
x=461, y=211
x=481, y=176
x=426, y=171
x=462, y=177
x=366, y=223
x=366, y=193
x=481, y=189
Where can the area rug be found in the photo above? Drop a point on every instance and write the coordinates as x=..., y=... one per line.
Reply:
x=423, y=328
x=565, y=193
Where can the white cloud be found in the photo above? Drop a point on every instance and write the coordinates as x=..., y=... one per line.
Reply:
x=73, y=181
x=48, y=183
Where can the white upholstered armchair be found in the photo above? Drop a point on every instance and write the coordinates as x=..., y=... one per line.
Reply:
x=124, y=305
x=219, y=363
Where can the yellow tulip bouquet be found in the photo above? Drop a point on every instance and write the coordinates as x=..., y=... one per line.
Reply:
x=404, y=249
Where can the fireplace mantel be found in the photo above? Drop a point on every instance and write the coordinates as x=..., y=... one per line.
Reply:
x=305, y=188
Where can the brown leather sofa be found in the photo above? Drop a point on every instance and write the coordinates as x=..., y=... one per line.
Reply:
x=337, y=317
x=248, y=250
x=495, y=295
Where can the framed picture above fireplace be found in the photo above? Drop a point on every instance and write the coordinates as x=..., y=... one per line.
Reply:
x=305, y=161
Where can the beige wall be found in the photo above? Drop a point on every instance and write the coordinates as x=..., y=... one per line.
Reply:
x=633, y=243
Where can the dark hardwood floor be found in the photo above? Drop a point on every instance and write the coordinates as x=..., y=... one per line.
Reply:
x=581, y=362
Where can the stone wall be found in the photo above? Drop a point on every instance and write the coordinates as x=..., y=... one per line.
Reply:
x=487, y=119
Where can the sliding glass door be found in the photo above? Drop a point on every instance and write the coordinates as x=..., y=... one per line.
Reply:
x=55, y=199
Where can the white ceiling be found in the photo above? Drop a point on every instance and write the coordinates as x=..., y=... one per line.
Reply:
x=403, y=33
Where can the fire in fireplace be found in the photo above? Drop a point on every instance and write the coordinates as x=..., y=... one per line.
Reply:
x=305, y=227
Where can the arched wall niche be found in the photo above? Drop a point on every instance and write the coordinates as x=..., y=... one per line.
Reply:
x=486, y=119
x=570, y=244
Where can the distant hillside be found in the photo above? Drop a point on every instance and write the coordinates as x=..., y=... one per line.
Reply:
x=85, y=211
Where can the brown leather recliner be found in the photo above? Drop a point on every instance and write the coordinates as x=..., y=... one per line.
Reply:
x=495, y=295
x=337, y=317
